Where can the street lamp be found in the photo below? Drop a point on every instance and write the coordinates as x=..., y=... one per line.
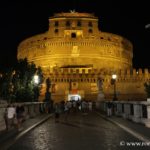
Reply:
x=113, y=81
x=36, y=87
x=36, y=79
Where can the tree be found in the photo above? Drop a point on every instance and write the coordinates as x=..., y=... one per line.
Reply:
x=18, y=82
x=147, y=88
x=6, y=85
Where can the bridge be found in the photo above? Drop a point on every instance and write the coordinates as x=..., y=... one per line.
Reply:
x=92, y=130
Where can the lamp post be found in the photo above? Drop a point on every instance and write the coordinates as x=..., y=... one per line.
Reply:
x=114, y=76
x=36, y=88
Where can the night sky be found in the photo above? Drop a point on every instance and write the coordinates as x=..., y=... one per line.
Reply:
x=22, y=19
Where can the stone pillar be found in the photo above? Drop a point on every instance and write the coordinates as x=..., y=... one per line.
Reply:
x=119, y=109
x=148, y=111
x=36, y=108
x=100, y=96
x=26, y=108
x=147, y=121
x=137, y=113
x=126, y=110
x=103, y=106
x=31, y=110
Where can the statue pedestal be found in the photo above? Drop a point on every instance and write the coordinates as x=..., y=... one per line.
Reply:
x=100, y=97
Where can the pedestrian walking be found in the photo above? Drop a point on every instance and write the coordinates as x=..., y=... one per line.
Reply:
x=66, y=111
x=5, y=118
x=20, y=114
x=10, y=115
x=109, y=109
x=57, y=112
x=90, y=106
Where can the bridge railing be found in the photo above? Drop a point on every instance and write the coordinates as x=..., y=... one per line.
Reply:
x=32, y=109
x=136, y=111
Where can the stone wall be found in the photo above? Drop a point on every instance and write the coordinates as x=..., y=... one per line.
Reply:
x=135, y=111
x=97, y=48
x=129, y=83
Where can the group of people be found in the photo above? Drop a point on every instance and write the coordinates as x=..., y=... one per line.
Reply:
x=14, y=116
x=72, y=107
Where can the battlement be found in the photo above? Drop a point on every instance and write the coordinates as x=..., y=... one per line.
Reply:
x=128, y=73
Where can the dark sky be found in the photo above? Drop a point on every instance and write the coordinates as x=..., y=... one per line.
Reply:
x=22, y=19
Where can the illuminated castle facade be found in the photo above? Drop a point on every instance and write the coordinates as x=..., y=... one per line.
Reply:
x=74, y=54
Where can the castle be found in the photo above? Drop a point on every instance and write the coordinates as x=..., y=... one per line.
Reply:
x=75, y=54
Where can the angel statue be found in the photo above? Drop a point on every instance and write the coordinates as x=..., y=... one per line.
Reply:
x=100, y=84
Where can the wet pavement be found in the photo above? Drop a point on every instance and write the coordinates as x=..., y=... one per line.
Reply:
x=79, y=132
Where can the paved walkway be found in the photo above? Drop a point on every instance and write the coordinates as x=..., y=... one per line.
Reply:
x=138, y=130
x=7, y=138
x=90, y=123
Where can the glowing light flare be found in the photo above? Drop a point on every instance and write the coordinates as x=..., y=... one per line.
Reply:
x=147, y=26
x=114, y=76
x=36, y=79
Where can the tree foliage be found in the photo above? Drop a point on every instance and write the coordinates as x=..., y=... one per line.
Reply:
x=17, y=83
x=147, y=88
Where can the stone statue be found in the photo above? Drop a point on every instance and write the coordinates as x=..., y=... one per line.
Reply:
x=100, y=84
x=48, y=100
x=100, y=96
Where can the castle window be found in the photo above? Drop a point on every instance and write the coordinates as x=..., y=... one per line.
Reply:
x=101, y=38
x=68, y=23
x=90, y=24
x=79, y=23
x=56, y=31
x=56, y=23
x=90, y=31
x=73, y=35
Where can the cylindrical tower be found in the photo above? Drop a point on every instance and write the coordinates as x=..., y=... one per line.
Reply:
x=73, y=39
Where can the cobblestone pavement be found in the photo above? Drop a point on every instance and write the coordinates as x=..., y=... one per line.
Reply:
x=7, y=138
x=79, y=132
